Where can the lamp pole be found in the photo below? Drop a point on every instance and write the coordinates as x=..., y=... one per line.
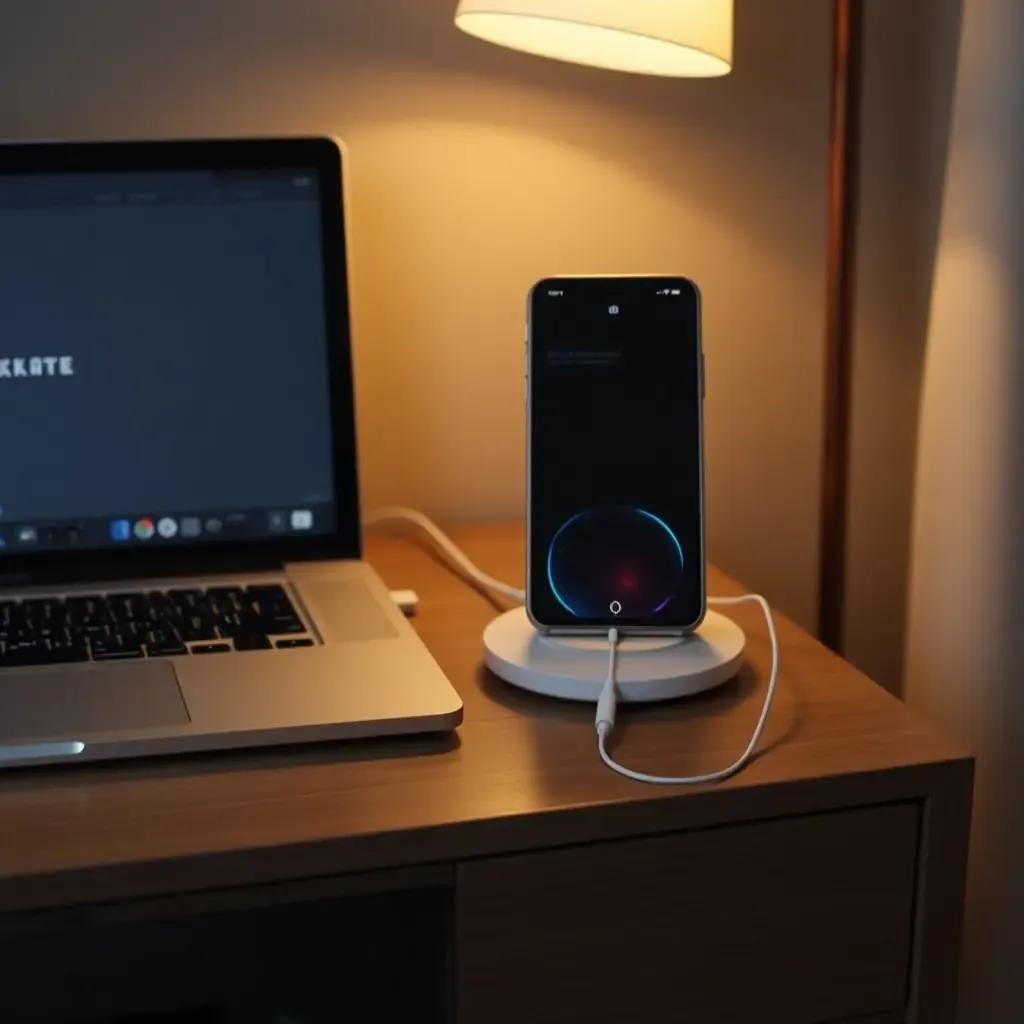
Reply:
x=843, y=174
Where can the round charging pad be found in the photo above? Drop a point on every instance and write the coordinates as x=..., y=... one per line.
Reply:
x=575, y=668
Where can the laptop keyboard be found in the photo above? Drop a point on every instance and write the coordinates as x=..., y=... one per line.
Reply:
x=148, y=624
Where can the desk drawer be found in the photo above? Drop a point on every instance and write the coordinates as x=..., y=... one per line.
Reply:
x=263, y=956
x=795, y=921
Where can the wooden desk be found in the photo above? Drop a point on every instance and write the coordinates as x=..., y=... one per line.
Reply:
x=504, y=874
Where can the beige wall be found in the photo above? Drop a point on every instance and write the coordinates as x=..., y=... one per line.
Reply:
x=475, y=171
x=966, y=643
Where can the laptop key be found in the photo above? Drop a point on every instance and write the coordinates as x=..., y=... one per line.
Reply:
x=210, y=648
x=168, y=650
x=252, y=643
x=122, y=611
x=299, y=641
x=272, y=601
x=223, y=601
x=163, y=643
x=197, y=628
x=23, y=653
x=113, y=649
x=64, y=651
x=285, y=625
x=161, y=638
x=42, y=611
x=232, y=625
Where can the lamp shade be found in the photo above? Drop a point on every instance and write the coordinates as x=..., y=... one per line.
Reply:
x=674, y=38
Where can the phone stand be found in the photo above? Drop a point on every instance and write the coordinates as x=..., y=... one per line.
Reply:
x=648, y=669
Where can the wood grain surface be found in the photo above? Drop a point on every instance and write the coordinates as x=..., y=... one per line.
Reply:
x=522, y=772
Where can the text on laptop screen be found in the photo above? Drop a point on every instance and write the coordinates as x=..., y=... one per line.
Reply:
x=163, y=359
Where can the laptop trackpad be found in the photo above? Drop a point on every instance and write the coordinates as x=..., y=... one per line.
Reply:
x=68, y=703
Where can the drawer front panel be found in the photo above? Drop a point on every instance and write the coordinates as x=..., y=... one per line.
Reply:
x=799, y=921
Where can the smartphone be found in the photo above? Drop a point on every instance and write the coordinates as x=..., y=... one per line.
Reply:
x=615, y=488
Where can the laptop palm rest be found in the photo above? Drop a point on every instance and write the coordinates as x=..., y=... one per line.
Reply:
x=69, y=703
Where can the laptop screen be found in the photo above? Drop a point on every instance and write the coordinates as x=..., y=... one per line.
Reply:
x=163, y=359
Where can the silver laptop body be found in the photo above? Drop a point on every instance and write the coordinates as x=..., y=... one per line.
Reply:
x=180, y=551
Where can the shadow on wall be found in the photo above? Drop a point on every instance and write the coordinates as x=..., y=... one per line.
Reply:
x=995, y=893
x=909, y=76
x=966, y=657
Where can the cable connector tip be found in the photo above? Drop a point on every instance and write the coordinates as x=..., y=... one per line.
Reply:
x=604, y=720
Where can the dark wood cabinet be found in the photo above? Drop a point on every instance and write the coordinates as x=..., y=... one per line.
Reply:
x=505, y=875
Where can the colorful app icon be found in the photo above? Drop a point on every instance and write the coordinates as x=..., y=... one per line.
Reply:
x=144, y=529
x=120, y=530
x=191, y=526
x=302, y=519
x=167, y=528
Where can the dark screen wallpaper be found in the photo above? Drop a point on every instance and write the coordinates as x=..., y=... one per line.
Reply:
x=615, y=453
x=193, y=321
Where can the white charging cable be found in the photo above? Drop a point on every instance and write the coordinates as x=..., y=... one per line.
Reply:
x=447, y=547
x=605, y=717
x=604, y=720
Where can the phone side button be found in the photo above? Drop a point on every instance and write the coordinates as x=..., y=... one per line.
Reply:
x=703, y=378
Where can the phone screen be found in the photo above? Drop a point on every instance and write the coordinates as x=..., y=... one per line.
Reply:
x=615, y=474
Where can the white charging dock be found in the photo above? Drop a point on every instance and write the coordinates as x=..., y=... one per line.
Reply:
x=658, y=668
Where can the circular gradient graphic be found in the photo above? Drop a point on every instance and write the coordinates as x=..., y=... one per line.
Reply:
x=609, y=563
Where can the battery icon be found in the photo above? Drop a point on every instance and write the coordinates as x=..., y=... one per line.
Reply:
x=676, y=291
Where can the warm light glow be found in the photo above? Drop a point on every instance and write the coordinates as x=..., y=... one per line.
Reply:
x=674, y=38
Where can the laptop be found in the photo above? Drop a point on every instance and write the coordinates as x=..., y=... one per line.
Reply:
x=180, y=549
